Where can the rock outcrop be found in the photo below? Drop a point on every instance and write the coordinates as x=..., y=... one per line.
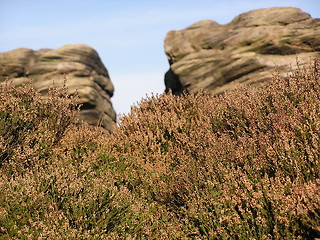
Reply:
x=214, y=57
x=79, y=64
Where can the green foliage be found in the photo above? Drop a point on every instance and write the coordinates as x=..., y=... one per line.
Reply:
x=244, y=165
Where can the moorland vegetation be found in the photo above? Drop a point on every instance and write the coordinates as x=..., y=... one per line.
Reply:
x=242, y=165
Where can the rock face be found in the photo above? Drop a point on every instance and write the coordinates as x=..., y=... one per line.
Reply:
x=83, y=69
x=214, y=57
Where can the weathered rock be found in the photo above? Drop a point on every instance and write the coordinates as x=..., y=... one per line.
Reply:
x=79, y=64
x=216, y=57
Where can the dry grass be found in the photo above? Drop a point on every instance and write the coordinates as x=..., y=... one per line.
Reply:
x=244, y=165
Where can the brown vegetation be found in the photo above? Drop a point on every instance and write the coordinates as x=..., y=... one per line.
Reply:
x=244, y=165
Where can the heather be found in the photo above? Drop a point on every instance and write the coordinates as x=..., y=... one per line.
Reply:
x=243, y=165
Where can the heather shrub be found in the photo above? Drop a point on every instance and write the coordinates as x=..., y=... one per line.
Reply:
x=56, y=182
x=67, y=197
x=29, y=124
x=243, y=165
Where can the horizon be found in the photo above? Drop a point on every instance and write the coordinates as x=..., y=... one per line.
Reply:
x=127, y=35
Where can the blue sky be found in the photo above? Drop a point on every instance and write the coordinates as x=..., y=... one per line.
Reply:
x=128, y=34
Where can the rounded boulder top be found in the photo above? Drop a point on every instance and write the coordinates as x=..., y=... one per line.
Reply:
x=270, y=16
